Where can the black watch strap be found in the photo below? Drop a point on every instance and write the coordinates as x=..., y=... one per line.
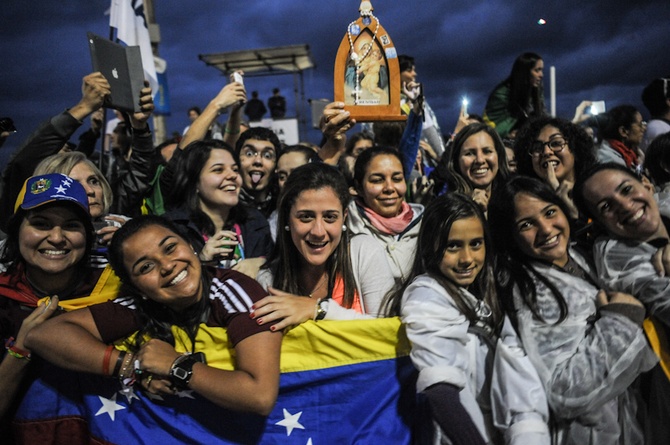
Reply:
x=182, y=371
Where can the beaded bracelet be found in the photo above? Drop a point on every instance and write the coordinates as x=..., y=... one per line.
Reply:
x=15, y=351
x=126, y=368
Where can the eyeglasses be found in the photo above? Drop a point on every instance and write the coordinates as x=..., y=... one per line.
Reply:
x=556, y=145
x=641, y=124
x=251, y=153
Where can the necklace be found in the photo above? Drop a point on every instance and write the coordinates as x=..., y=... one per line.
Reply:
x=319, y=285
x=366, y=12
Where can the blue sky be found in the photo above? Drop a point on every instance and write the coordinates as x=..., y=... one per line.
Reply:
x=601, y=50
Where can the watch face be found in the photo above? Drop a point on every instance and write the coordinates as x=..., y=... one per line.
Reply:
x=180, y=373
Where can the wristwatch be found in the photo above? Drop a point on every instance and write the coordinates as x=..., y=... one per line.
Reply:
x=321, y=309
x=182, y=370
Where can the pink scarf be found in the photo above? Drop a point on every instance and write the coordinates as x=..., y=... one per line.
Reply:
x=390, y=226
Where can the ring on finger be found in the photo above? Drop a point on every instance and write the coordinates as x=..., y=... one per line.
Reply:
x=149, y=378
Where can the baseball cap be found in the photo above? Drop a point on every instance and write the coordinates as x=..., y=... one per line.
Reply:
x=53, y=187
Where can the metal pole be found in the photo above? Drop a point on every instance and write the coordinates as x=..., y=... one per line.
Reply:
x=160, y=132
x=552, y=87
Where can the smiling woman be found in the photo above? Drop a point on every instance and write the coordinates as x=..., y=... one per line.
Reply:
x=205, y=198
x=48, y=242
x=316, y=270
x=380, y=209
x=165, y=291
x=587, y=344
x=477, y=163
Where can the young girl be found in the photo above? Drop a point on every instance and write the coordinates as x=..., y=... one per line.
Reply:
x=474, y=373
x=587, y=345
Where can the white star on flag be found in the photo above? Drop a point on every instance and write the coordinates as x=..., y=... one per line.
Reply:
x=60, y=189
x=290, y=422
x=186, y=394
x=109, y=406
x=129, y=393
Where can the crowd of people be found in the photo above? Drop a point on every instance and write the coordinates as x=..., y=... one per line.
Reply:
x=525, y=254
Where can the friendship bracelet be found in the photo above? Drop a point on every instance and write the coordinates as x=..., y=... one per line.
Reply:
x=105, y=361
x=15, y=351
x=119, y=362
x=229, y=131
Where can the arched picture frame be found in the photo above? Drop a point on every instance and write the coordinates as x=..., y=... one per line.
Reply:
x=369, y=82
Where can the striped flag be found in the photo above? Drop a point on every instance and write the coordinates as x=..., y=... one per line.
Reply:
x=127, y=16
x=341, y=382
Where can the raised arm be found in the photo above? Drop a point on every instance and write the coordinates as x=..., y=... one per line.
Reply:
x=335, y=122
x=229, y=95
x=48, y=139
x=133, y=181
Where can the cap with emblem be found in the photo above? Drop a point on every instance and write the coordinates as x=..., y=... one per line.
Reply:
x=45, y=189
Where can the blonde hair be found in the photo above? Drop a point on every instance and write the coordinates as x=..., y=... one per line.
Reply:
x=65, y=162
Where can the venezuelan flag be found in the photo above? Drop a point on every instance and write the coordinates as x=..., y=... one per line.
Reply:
x=342, y=382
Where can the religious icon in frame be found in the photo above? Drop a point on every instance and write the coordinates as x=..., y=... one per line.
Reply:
x=367, y=75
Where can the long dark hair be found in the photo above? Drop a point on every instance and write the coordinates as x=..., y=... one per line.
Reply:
x=619, y=116
x=521, y=92
x=580, y=144
x=184, y=192
x=513, y=267
x=456, y=180
x=285, y=259
x=433, y=240
x=156, y=319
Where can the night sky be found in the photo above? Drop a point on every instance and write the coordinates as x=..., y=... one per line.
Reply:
x=601, y=50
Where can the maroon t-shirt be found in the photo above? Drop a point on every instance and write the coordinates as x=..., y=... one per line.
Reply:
x=231, y=295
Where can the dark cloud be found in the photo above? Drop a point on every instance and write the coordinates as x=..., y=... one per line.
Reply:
x=601, y=50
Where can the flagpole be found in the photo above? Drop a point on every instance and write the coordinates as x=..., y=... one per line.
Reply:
x=160, y=132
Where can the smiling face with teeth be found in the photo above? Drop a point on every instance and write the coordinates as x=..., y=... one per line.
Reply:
x=163, y=267
x=624, y=205
x=383, y=186
x=219, y=183
x=478, y=160
x=315, y=222
x=52, y=242
x=542, y=229
x=562, y=162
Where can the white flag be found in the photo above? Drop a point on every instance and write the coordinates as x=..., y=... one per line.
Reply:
x=127, y=16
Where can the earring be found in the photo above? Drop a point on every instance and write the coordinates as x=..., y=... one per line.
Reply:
x=287, y=228
x=344, y=227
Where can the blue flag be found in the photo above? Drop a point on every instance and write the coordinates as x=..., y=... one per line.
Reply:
x=341, y=382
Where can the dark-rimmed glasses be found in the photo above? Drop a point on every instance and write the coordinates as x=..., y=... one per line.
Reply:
x=556, y=145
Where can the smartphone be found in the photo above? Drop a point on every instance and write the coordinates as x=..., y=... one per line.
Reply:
x=238, y=252
x=464, y=106
x=597, y=107
x=237, y=77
